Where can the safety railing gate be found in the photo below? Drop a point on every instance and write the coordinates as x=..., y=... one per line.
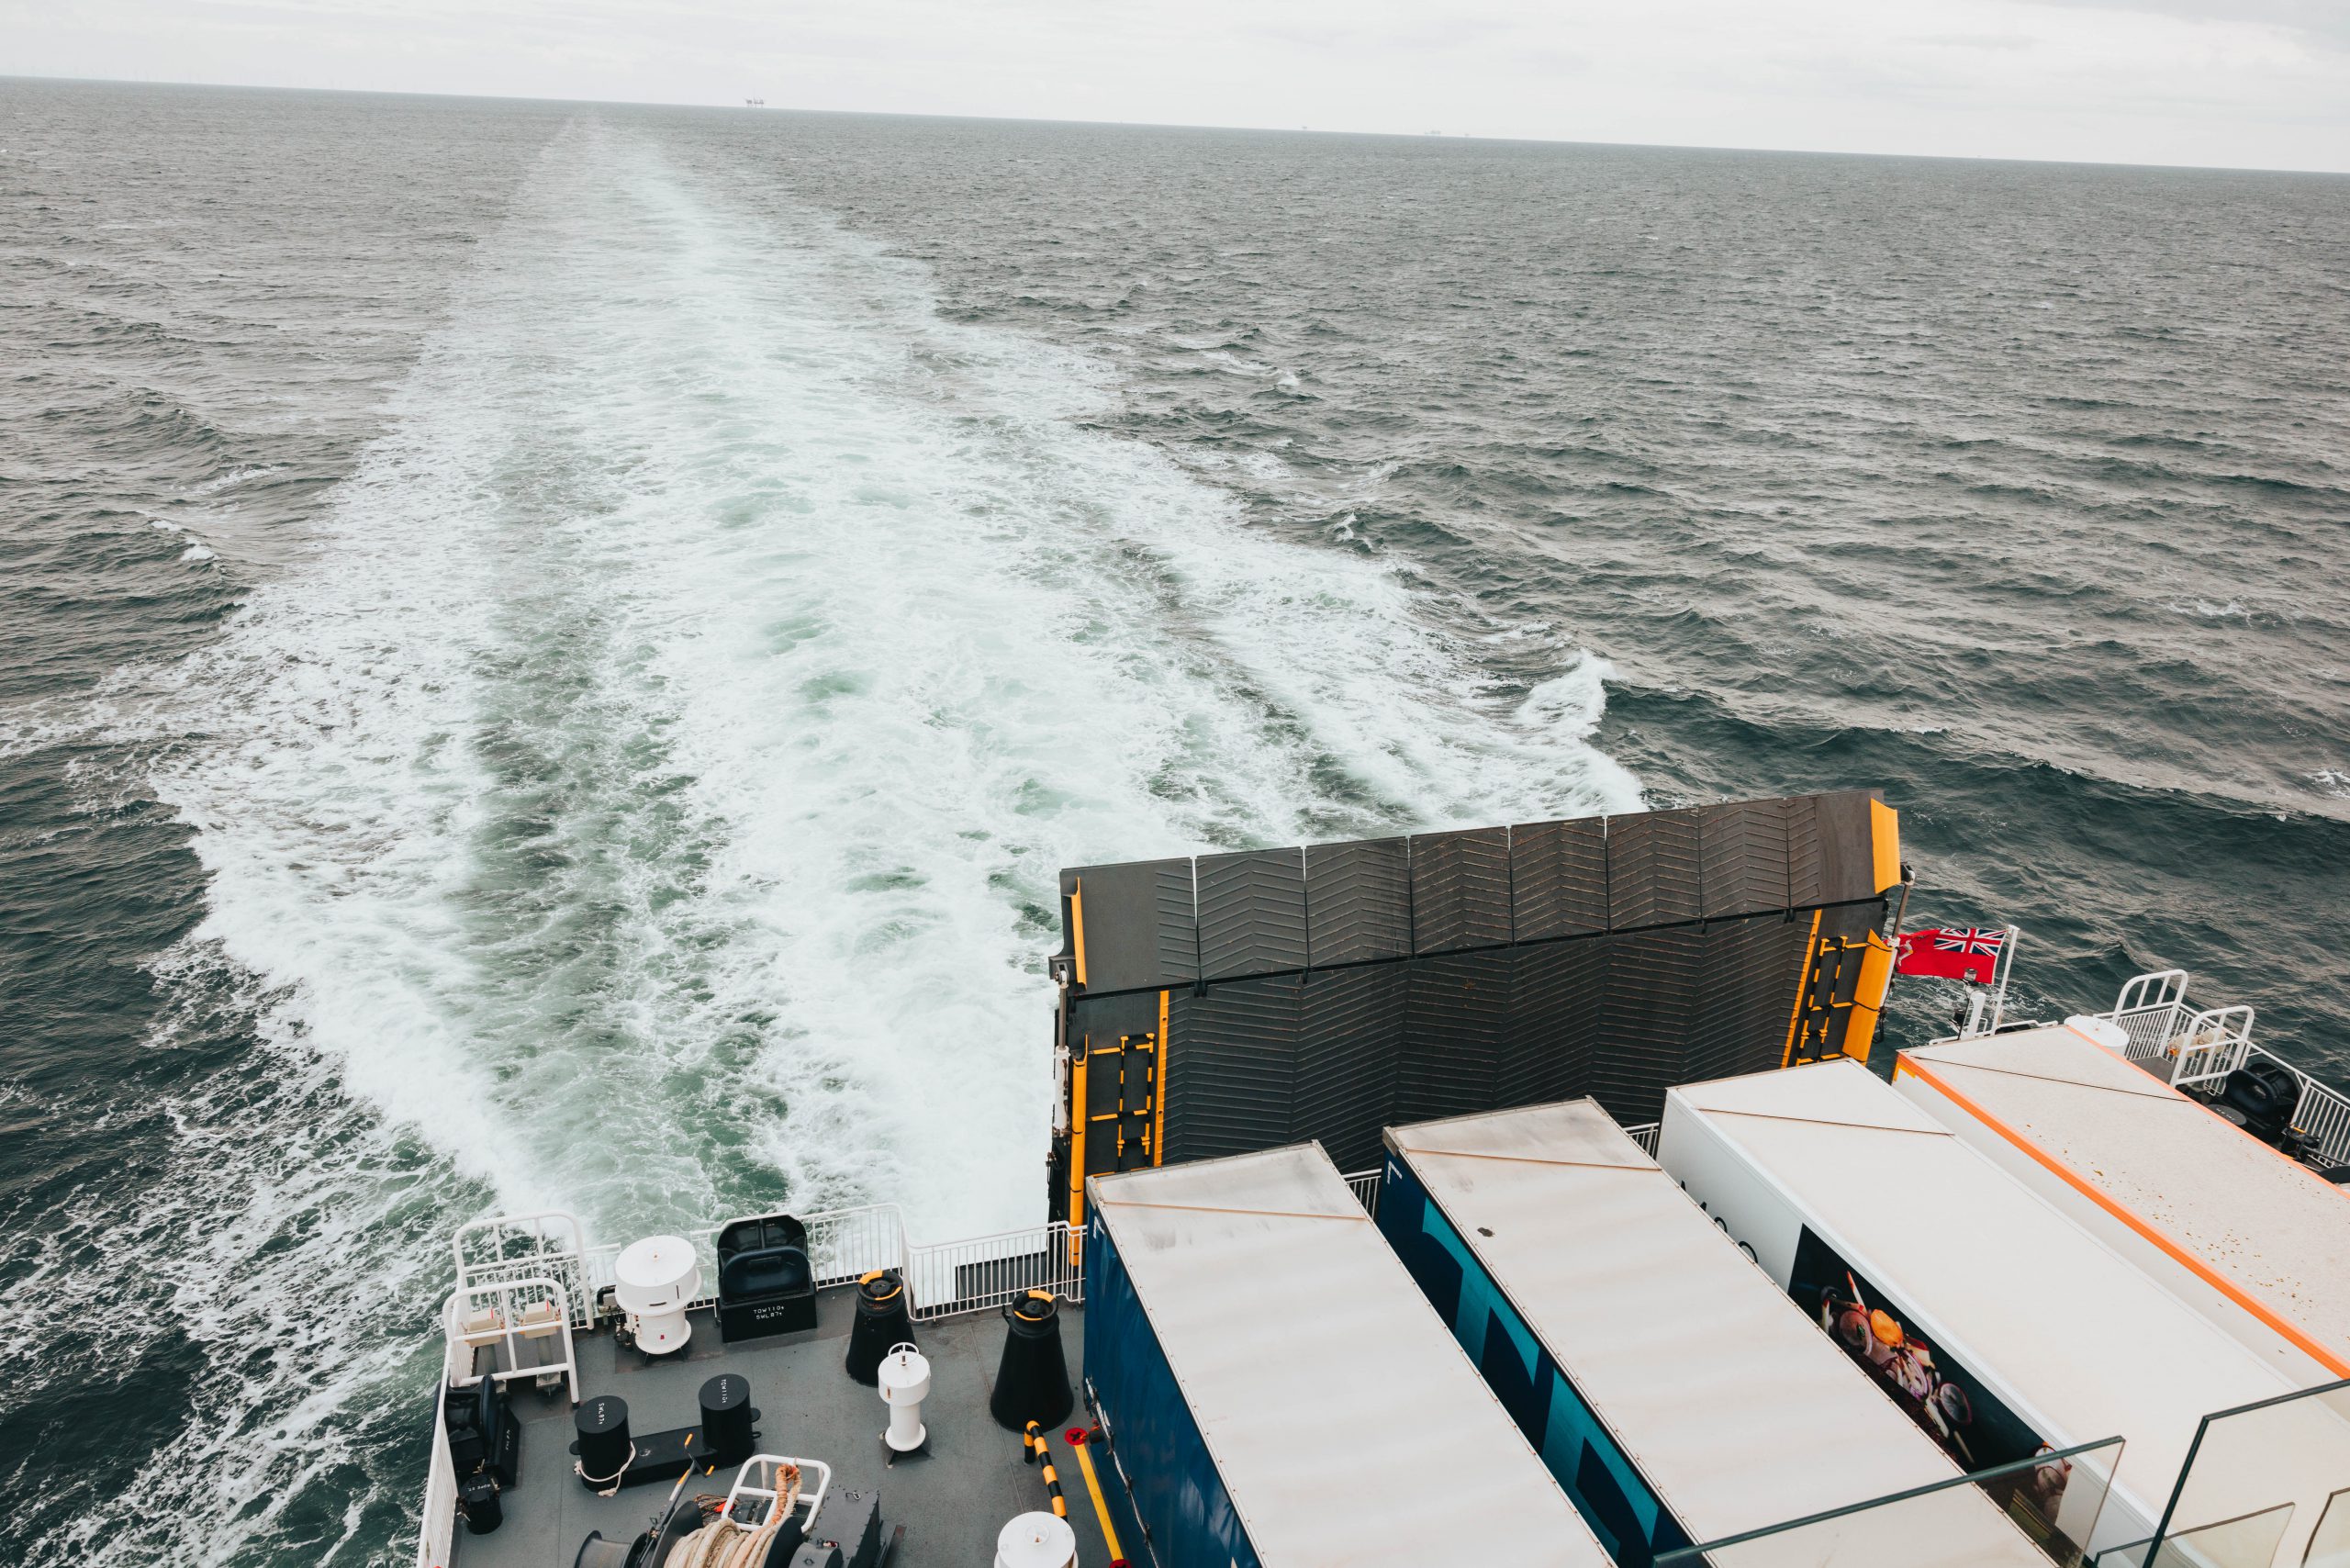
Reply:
x=2187, y=1047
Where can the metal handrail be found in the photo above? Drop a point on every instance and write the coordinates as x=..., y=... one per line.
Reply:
x=745, y=1488
x=2187, y=1048
x=437, y=1536
x=2213, y=1044
x=507, y=1327
x=948, y=1279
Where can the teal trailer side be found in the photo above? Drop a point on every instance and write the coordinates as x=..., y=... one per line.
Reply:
x=1606, y=1488
x=1276, y=1393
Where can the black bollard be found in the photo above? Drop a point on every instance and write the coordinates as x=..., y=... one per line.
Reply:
x=604, y=1446
x=1032, y=1380
x=882, y=1320
x=726, y=1417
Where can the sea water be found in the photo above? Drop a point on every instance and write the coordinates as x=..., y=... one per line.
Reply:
x=550, y=654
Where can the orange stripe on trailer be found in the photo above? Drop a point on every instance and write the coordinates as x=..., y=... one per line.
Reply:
x=2324, y=1357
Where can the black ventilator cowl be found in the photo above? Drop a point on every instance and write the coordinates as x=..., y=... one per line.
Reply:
x=883, y=1319
x=1032, y=1380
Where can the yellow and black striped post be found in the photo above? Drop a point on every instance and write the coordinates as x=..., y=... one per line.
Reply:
x=1034, y=1452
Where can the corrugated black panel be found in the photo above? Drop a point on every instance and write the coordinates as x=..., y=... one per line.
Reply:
x=1652, y=869
x=1138, y=923
x=1747, y=997
x=1358, y=901
x=1231, y=1074
x=1517, y=994
x=1744, y=858
x=1558, y=878
x=1653, y=979
x=1252, y=913
x=1175, y=929
x=1805, y=867
x=1349, y=1045
x=1848, y=848
x=1460, y=889
x=1456, y=1023
x=1556, y=994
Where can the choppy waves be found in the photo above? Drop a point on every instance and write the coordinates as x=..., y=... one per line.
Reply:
x=561, y=665
x=643, y=795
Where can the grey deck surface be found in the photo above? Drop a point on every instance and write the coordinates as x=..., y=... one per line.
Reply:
x=952, y=1501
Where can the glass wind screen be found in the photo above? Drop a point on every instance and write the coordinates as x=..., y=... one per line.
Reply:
x=2330, y=1542
x=2026, y=1515
x=2291, y=1453
x=2248, y=1543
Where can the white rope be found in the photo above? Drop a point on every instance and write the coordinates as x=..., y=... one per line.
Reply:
x=578, y=1467
x=729, y=1543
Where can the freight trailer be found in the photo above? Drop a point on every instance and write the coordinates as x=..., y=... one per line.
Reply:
x=1277, y=1394
x=1999, y=1325
x=2255, y=1239
x=1662, y=1377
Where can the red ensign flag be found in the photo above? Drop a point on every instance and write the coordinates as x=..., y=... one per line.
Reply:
x=1969, y=955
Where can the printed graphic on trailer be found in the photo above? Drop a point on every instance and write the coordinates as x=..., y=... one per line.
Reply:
x=1970, y=1423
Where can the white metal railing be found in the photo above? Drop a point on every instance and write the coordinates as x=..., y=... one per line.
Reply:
x=782, y=1480
x=438, y=1538
x=546, y=1244
x=2213, y=1045
x=950, y=1278
x=1645, y=1136
x=2184, y=1047
x=843, y=1245
x=514, y=1315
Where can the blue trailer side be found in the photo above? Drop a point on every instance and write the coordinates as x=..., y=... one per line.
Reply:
x=1276, y=1393
x=1178, y=1493
x=1629, y=1517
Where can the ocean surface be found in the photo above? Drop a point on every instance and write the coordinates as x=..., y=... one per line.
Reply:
x=550, y=653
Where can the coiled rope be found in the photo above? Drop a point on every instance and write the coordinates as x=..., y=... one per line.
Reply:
x=722, y=1542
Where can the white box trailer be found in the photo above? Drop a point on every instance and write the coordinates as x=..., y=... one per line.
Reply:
x=1999, y=1323
x=1662, y=1377
x=1277, y=1394
x=2256, y=1240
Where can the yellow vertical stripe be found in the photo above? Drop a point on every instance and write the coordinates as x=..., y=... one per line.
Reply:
x=1158, y=1090
x=1100, y=1504
x=1884, y=845
x=1803, y=981
x=1077, y=1109
x=1077, y=925
x=1876, y=977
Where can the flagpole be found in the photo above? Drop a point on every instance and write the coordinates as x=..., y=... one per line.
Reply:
x=2006, y=968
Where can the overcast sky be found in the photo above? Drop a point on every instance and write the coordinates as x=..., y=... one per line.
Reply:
x=2245, y=83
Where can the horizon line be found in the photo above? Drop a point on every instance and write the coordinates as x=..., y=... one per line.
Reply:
x=1421, y=137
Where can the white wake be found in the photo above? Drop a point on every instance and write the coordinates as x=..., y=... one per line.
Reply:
x=645, y=797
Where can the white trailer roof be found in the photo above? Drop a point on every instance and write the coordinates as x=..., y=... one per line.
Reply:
x=2194, y=1185
x=1720, y=1390
x=1349, y=1430
x=2090, y=1347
